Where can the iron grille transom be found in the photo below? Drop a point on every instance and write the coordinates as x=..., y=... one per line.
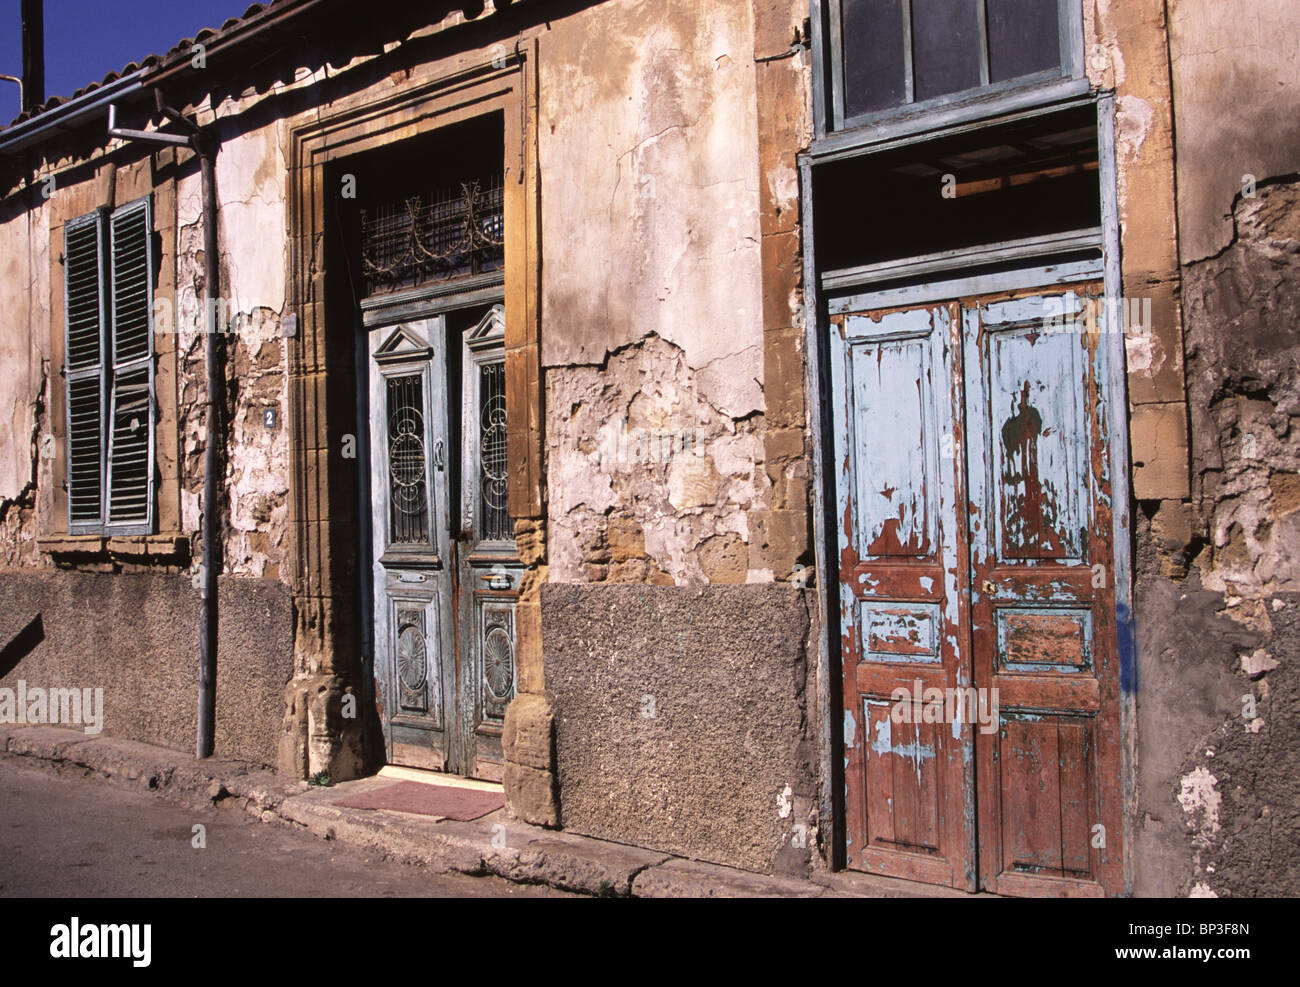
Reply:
x=449, y=232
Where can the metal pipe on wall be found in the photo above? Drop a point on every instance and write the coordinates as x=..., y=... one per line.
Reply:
x=210, y=523
x=211, y=517
x=33, y=14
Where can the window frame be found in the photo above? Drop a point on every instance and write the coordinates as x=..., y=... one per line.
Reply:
x=109, y=369
x=989, y=98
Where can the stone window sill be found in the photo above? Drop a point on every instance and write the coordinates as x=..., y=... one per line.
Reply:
x=132, y=548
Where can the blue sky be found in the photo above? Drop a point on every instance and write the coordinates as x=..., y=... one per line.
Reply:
x=86, y=39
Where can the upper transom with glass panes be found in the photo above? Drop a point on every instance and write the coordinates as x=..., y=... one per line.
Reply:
x=891, y=58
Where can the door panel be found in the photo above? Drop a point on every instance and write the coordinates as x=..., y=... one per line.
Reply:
x=414, y=648
x=908, y=790
x=1043, y=595
x=489, y=569
x=977, y=597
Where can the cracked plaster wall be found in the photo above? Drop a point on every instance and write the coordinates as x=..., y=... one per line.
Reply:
x=655, y=221
x=24, y=387
x=251, y=191
x=650, y=481
x=652, y=298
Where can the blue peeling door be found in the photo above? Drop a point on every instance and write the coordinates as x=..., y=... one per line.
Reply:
x=1043, y=593
x=903, y=600
x=977, y=605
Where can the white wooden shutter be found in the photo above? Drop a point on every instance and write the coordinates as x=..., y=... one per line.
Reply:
x=86, y=362
x=130, y=472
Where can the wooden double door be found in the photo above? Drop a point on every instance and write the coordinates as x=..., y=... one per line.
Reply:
x=980, y=680
x=445, y=572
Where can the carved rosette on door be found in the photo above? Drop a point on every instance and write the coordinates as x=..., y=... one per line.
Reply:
x=497, y=648
x=413, y=663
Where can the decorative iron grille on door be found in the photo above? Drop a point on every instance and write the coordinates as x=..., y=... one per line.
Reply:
x=407, y=458
x=494, y=519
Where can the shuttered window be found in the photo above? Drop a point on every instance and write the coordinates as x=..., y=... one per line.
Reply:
x=83, y=267
x=108, y=260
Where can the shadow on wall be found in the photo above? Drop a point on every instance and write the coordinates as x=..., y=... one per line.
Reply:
x=21, y=645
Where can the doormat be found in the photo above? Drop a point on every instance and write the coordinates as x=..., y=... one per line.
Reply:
x=461, y=804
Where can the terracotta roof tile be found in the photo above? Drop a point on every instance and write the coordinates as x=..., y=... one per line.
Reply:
x=152, y=60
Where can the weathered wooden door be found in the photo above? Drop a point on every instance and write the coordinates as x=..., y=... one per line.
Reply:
x=488, y=569
x=1043, y=594
x=415, y=668
x=976, y=587
x=446, y=572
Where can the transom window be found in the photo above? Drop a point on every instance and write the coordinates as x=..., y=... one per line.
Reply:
x=432, y=210
x=894, y=56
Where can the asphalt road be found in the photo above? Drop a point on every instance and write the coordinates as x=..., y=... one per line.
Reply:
x=82, y=838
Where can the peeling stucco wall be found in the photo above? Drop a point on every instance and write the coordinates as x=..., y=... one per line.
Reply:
x=651, y=482
x=653, y=349
x=1219, y=584
x=24, y=384
x=251, y=191
x=669, y=454
x=648, y=151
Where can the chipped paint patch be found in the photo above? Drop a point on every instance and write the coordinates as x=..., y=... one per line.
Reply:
x=785, y=802
x=1134, y=118
x=884, y=740
x=1258, y=663
x=1201, y=801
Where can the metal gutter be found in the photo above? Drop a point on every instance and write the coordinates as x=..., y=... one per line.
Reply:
x=75, y=112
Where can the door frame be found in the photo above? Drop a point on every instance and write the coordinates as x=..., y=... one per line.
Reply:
x=824, y=293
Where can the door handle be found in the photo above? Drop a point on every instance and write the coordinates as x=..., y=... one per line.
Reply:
x=437, y=455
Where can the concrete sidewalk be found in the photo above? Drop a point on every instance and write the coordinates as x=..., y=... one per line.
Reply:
x=494, y=844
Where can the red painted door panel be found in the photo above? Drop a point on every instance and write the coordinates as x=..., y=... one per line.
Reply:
x=909, y=794
x=1043, y=603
